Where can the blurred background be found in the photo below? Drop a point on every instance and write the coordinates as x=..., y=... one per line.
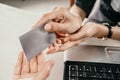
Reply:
x=37, y=7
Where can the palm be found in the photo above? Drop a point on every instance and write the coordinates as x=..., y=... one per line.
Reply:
x=26, y=69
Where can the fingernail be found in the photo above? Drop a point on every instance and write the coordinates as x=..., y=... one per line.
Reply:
x=47, y=27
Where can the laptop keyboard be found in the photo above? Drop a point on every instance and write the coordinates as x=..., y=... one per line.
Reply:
x=74, y=70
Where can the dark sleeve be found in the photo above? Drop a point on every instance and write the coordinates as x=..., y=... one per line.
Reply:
x=85, y=5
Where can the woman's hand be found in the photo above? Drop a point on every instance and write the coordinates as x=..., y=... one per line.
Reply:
x=38, y=68
x=89, y=30
x=66, y=21
x=57, y=47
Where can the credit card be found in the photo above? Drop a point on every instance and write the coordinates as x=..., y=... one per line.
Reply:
x=36, y=40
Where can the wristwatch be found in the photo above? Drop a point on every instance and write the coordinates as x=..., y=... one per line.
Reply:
x=110, y=32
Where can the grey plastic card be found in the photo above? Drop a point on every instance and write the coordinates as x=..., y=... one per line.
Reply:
x=36, y=40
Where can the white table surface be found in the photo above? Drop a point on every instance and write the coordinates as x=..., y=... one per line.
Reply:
x=13, y=23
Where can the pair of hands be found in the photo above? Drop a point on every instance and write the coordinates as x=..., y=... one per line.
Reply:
x=69, y=33
x=68, y=29
x=37, y=68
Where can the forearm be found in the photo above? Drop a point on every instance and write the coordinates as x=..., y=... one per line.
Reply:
x=100, y=31
x=116, y=33
x=78, y=11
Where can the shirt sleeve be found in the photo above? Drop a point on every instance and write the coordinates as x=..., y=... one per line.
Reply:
x=85, y=5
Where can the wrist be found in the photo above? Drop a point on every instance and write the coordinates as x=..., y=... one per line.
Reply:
x=105, y=31
x=98, y=31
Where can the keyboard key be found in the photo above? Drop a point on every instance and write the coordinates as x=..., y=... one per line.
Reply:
x=80, y=68
x=83, y=79
x=109, y=76
x=116, y=76
x=73, y=67
x=87, y=68
x=115, y=70
x=100, y=75
x=72, y=78
x=91, y=75
x=108, y=70
x=100, y=69
x=93, y=69
x=80, y=74
x=73, y=73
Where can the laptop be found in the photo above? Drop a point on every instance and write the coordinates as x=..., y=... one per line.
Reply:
x=91, y=62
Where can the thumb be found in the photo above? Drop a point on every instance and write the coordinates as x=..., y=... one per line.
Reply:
x=45, y=70
x=55, y=27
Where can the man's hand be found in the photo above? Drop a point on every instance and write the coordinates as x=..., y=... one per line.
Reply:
x=66, y=21
x=63, y=23
x=37, y=68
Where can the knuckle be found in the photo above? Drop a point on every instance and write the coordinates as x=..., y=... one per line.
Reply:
x=52, y=27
